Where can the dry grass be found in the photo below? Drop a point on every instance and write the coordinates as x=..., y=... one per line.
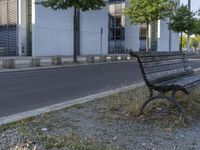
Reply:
x=191, y=102
x=68, y=142
x=129, y=103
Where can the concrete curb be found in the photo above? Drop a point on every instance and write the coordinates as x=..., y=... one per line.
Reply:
x=58, y=67
x=23, y=115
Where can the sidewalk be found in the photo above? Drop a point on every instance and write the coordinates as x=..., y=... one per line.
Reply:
x=24, y=63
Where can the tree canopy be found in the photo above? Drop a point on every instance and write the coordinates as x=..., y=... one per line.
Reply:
x=147, y=11
x=182, y=20
x=83, y=5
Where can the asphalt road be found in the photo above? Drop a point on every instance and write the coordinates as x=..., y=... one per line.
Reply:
x=23, y=91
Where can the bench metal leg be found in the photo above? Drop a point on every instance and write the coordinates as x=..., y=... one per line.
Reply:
x=171, y=99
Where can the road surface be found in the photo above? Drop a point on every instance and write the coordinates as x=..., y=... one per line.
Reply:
x=24, y=91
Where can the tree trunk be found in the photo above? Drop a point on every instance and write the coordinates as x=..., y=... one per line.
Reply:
x=76, y=34
x=188, y=35
x=147, y=38
x=181, y=42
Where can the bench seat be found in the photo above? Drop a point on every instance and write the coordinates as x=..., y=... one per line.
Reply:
x=185, y=83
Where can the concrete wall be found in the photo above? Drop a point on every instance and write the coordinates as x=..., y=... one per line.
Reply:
x=132, y=36
x=90, y=32
x=53, y=31
x=163, y=37
x=175, y=41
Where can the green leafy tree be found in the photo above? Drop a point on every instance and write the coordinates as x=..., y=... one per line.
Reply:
x=196, y=29
x=182, y=21
x=83, y=5
x=148, y=11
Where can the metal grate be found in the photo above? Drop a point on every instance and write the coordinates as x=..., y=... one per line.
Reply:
x=8, y=27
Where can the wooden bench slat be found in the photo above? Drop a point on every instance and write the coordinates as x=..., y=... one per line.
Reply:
x=155, y=54
x=167, y=78
x=165, y=67
x=184, y=81
x=190, y=87
x=188, y=81
x=163, y=62
x=163, y=74
x=161, y=58
x=172, y=80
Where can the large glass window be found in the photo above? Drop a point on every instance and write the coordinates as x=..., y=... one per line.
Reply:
x=116, y=30
x=116, y=26
x=8, y=27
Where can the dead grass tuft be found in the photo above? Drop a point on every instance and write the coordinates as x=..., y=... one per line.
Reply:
x=130, y=102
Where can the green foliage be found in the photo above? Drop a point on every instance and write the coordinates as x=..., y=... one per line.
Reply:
x=195, y=42
x=198, y=38
x=184, y=41
x=147, y=11
x=196, y=29
x=182, y=20
x=83, y=5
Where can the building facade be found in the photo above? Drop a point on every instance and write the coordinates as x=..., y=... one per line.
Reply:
x=27, y=29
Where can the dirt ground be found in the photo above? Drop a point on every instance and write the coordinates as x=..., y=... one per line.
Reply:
x=109, y=123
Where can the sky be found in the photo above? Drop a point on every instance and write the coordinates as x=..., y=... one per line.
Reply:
x=195, y=4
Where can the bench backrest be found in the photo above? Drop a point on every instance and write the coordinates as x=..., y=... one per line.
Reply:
x=158, y=67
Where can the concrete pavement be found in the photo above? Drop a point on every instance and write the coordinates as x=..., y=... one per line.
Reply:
x=24, y=91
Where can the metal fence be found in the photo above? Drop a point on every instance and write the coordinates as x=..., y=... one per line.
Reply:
x=8, y=27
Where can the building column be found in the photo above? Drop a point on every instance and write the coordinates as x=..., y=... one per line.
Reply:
x=21, y=15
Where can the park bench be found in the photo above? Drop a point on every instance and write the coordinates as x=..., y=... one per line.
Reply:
x=167, y=72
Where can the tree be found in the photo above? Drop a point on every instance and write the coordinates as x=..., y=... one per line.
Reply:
x=196, y=29
x=148, y=11
x=182, y=21
x=83, y=5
